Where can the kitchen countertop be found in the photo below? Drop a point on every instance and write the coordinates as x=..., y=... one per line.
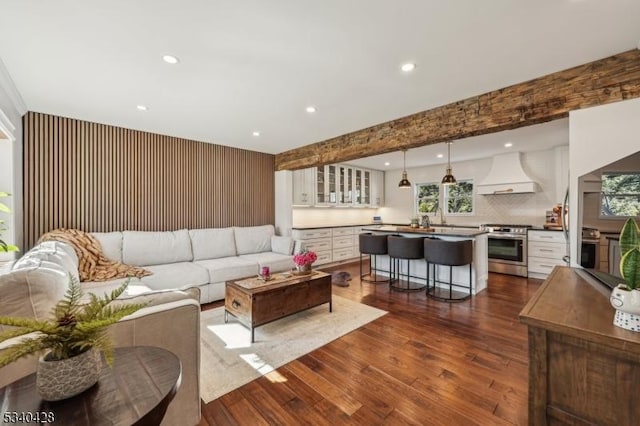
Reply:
x=461, y=232
x=542, y=228
x=446, y=225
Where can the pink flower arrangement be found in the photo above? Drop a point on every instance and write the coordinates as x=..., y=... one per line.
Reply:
x=305, y=258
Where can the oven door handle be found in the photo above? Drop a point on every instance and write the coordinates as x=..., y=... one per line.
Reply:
x=507, y=237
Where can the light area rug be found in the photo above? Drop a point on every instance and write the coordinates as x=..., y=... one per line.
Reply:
x=229, y=360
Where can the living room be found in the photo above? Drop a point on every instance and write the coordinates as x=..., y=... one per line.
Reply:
x=203, y=117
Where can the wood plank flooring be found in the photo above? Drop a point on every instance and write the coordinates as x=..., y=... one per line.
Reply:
x=425, y=362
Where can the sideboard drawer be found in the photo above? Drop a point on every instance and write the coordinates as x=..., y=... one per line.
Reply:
x=317, y=245
x=323, y=257
x=343, y=253
x=308, y=234
x=337, y=232
x=339, y=242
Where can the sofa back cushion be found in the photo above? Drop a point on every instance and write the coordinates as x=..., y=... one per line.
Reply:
x=56, y=252
x=32, y=290
x=111, y=243
x=141, y=248
x=212, y=243
x=253, y=239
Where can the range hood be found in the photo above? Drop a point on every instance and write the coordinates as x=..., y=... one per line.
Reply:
x=506, y=177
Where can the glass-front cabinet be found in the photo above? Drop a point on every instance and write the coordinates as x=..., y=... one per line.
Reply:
x=326, y=185
x=345, y=185
x=362, y=187
x=338, y=185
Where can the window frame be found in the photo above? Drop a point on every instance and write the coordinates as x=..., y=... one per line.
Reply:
x=601, y=194
x=415, y=197
x=472, y=195
x=443, y=199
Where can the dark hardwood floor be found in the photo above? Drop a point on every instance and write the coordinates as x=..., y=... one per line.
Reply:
x=425, y=362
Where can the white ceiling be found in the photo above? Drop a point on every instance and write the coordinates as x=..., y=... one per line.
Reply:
x=255, y=64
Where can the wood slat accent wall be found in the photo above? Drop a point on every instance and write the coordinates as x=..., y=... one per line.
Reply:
x=101, y=178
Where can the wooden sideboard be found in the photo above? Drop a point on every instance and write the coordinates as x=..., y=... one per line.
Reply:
x=582, y=368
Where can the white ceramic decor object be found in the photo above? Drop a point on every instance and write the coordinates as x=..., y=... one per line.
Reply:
x=627, y=305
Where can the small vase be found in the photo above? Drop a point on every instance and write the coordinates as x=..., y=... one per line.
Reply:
x=627, y=305
x=303, y=269
x=62, y=379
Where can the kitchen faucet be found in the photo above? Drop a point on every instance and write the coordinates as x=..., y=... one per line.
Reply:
x=443, y=220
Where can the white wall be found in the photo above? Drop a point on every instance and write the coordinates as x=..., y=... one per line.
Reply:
x=598, y=136
x=526, y=209
x=11, y=110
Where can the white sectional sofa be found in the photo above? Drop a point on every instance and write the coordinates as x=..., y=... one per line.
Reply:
x=189, y=267
x=205, y=258
x=171, y=319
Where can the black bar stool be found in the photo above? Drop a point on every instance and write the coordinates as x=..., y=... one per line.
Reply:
x=448, y=253
x=373, y=245
x=404, y=248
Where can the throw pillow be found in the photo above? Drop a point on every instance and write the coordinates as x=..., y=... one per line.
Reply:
x=282, y=245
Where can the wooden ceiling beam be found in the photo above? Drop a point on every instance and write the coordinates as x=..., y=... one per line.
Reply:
x=547, y=98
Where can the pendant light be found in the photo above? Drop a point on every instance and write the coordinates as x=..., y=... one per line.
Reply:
x=448, y=178
x=404, y=182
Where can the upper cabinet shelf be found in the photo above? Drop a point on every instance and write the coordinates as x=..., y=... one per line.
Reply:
x=338, y=185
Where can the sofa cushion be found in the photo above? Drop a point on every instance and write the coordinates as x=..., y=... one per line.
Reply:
x=111, y=243
x=100, y=288
x=282, y=245
x=156, y=248
x=56, y=252
x=32, y=291
x=253, y=239
x=228, y=268
x=212, y=243
x=175, y=275
x=275, y=261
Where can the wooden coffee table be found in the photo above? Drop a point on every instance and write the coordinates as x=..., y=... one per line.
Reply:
x=254, y=302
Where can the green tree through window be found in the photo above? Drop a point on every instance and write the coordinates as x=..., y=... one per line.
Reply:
x=459, y=197
x=427, y=197
x=620, y=194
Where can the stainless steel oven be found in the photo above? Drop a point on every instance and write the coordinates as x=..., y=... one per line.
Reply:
x=507, y=248
x=590, y=248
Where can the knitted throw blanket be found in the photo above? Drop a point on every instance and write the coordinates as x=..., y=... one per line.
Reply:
x=92, y=264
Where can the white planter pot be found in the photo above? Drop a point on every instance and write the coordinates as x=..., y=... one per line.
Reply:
x=56, y=380
x=627, y=305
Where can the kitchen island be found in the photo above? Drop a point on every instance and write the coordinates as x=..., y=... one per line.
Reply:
x=479, y=267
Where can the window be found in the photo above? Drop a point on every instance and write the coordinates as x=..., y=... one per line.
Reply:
x=459, y=197
x=427, y=197
x=620, y=195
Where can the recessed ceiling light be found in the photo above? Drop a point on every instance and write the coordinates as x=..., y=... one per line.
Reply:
x=170, y=59
x=439, y=155
x=142, y=107
x=508, y=145
x=256, y=133
x=311, y=109
x=409, y=66
x=386, y=163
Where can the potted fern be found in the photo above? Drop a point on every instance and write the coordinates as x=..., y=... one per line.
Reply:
x=4, y=247
x=625, y=298
x=74, y=338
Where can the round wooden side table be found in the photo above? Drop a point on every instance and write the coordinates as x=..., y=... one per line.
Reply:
x=136, y=390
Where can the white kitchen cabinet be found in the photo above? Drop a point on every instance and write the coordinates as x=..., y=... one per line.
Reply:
x=326, y=185
x=545, y=250
x=345, y=185
x=317, y=240
x=303, y=187
x=362, y=185
x=331, y=244
x=377, y=188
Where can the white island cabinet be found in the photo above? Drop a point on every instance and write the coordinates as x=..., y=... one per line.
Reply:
x=479, y=267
